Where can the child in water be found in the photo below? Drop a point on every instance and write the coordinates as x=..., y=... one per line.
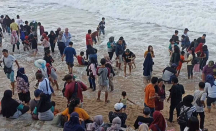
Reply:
x=124, y=100
x=26, y=44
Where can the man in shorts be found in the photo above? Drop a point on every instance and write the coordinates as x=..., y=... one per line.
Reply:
x=69, y=53
x=128, y=57
x=8, y=61
x=103, y=79
x=119, y=51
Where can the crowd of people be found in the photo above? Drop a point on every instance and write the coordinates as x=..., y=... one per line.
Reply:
x=74, y=117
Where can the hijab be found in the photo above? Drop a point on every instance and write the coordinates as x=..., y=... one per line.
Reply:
x=187, y=100
x=45, y=36
x=73, y=123
x=44, y=103
x=147, y=65
x=96, y=125
x=159, y=121
x=116, y=125
x=210, y=79
x=8, y=105
x=143, y=127
x=21, y=73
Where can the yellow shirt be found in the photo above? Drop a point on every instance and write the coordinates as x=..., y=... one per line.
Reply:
x=82, y=113
x=14, y=26
x=152, y=54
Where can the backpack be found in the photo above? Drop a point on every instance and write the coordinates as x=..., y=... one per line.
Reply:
x=198, y=101
x=195, y=61
x=74, y=95
x=183, y=117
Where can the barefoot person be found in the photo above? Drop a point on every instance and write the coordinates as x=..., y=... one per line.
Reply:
x=119, y=51
x=8, y=61
x=103, y=77
x=147, y=68
x=69, y=52
x=128, y=57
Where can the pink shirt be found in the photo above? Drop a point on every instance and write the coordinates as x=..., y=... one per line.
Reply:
x=92, y=67
x=45, y=43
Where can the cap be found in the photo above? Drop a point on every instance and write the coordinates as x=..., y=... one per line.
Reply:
x=118, y=106
x=146, y=111
x=211, y=64
x=173, y=65
x=186, y=29
x=37, y=92
x=127, y=51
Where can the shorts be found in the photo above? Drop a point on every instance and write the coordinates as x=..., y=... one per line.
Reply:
x=210, y=101
x=35, y=50
x=125, y=106
x=11, y=76
x=24, y=97
x=120, y=59
x=104, y=88
x=70, y=64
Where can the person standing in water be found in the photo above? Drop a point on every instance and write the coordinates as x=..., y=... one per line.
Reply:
x=67, y=37
x=52, y=39
x=102, y=26
x=147, y=68
x=88, y=39
x=41, y=28
x=69, y=53
x=95, y=36
x=175, y=37
x=19, y=21
x=150, y=50
x=14, y=26
x=128, y=57
x=119, y=52
x=61, y=42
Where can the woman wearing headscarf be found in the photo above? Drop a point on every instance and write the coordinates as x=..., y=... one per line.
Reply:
x=10, y=108
x=45, y=42
x=61, y=42
x=116, y=125
x=158, y=123
x=147, y=68
x=210, y=88
x=14, y=40
x=44, y=108
x=67, y=36
x=97, y=125
x=73, y=123
x=23, y=86
x=52, y=39
x=143, y=127
x=41, y=65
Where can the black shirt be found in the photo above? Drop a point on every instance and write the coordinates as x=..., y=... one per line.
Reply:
x=27, y=29
x=128, y=57
x=102, y=25
x=176, y=93
x=200, y=40
x=142, y=119
x=48, y=59
x=122, y=116
x=90, y=51
x=52, y=38
x=175, y=38
x=34, y=43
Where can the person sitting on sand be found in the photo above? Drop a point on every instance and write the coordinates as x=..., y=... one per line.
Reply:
x=118, y=113
x=81, y=59
x=103, y=79
x=33, y=102
x=150, y=50
x=70, y=87
x=169, y=72
x=48, y=58
x=10, y=108
x=146, y=119
x=159, y=123
x=116, y=125
x=73, y=123
x=124, y=100
x=52, y=75
x=74, y=106
x=44, y=109
x=128, y=57
x=147, y=68
x=23, y=86
x=97, y=125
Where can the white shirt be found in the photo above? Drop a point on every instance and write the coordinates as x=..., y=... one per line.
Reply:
x=44, y=85
x=211, y=90
x=19, y=22
x=190, y=57
x=197, y=95
x=8, y=61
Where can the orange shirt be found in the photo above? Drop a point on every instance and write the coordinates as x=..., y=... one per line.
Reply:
x=180, y=62
x=82, y=113
x=149, y=92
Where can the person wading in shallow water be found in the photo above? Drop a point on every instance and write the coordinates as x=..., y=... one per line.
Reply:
x=128, y=57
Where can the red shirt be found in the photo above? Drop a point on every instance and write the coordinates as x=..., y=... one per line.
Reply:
x=94, y=34
x=88, y=39
x=41, y=30
x=79, y=58
x=69, y=89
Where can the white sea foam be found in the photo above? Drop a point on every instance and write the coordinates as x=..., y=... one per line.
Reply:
x=197, y=15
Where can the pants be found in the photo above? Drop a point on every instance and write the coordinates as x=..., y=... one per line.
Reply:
x=202, y=118
x=94, y=56
x=94, y=39
x=14, y=47
x=61, y=47
x=151, y=109
x=92, y=82
x=110, y=55
x=101, y=30
x=182, y=127
x=3, y=27
x=52, y=46
x=8, y=29
x=203, y=63
x=190, y=70
x=111, y=85
x=172, y=107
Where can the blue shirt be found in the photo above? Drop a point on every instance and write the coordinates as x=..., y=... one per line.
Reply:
x=69, y=52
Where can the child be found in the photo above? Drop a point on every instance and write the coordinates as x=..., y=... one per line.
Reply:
x=1, y=36
x=14, y=40
x=52, y=75
x=48, y=58
x=81, y=59
x=182, y=60
x=124, y=100
x=26, y=43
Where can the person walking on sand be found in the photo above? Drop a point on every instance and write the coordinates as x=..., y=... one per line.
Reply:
x=103, y=79
x=128, y=56
x=45, y=42
x=67, y=37
x=8, y=61
x=69, y=53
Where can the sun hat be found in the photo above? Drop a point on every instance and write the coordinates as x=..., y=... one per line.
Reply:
x=40, y=63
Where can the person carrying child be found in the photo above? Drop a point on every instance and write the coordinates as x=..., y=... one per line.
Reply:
x=81, y=59
x=124, y=100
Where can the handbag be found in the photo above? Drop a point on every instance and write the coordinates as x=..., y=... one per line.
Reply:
x=6, y=69
x=18, y=43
